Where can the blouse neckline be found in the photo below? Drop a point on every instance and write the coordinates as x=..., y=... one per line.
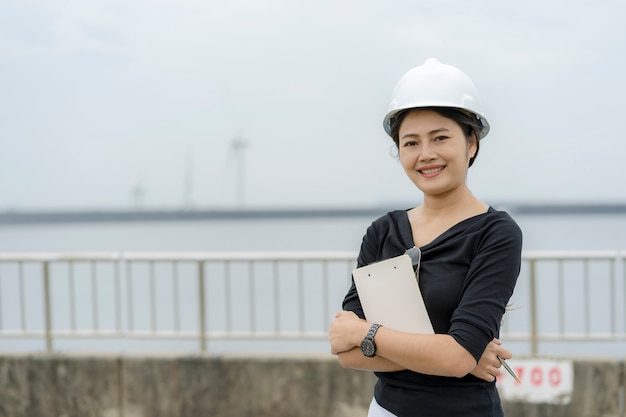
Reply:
x=408, y=231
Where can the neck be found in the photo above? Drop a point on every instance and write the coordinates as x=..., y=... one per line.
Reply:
x=441, y=205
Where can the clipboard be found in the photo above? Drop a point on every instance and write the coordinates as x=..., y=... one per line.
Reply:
x=390, y=294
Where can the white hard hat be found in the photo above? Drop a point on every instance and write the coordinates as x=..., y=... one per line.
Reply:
x=434, y=84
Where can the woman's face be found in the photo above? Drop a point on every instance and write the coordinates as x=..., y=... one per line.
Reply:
x=434, y=152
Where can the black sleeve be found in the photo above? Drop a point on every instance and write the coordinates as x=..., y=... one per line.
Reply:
x=488, y=287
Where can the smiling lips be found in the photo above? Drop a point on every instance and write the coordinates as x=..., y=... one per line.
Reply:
x=429, y=172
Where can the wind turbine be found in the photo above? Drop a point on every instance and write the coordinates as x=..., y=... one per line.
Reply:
x=238, y=146
x=188, y=184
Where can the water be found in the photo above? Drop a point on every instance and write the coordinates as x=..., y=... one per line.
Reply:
x=331, y=234
x=541, y=232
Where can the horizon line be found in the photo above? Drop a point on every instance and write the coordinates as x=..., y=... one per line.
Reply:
x=15, y=217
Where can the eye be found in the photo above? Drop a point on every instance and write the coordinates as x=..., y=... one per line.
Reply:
x=440, y=138
x=409, y=143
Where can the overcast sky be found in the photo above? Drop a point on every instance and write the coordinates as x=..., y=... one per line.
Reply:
x=100, y=98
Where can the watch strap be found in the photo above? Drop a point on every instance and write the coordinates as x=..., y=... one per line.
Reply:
x=372, y=331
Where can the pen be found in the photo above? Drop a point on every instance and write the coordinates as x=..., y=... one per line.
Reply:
x=509, y=369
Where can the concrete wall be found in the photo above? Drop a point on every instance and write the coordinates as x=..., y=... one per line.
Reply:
x=598, y=392
x=195, y=386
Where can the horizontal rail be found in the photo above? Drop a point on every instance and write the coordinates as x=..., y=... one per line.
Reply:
x=572, y=255
x=175, y=256
x=268, y=256
x=103, y=334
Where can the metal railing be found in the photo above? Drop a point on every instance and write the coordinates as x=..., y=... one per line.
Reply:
x=571, y=297
x=202, y=298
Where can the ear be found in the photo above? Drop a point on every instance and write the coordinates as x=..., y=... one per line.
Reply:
x=473, y=145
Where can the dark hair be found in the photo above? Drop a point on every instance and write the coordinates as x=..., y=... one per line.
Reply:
x=469, y=123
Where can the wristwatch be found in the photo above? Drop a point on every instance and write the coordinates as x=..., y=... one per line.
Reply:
x=368, y=347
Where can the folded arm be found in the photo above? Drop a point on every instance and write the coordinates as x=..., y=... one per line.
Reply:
x=488, y=367
x=436, y=354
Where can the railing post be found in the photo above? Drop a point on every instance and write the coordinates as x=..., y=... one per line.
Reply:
x=47, y=306
x=533, y=308
x=201, y=307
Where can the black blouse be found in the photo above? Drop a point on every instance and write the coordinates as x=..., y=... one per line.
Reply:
x=467, y=276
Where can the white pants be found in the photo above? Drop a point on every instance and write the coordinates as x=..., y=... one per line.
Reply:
x=377, y=411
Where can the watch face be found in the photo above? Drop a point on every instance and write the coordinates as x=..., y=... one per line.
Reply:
x=368, y=348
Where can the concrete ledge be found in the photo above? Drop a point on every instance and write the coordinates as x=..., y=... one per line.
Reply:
x=221, y=386
x=237, y=386
x=42, y=386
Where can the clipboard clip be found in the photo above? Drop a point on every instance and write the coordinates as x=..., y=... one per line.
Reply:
x=416, y=256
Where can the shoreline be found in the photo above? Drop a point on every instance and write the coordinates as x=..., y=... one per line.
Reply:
x=15, y=217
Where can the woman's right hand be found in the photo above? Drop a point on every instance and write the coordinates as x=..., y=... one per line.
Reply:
x=346, y=332
x=488, y=367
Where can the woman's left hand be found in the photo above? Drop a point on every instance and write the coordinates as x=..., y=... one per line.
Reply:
x=346, y=332
x=488, y=367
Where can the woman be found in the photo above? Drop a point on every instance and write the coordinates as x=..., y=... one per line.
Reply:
x=471, y=256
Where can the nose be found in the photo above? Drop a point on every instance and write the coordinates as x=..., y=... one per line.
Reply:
x=427, y=154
